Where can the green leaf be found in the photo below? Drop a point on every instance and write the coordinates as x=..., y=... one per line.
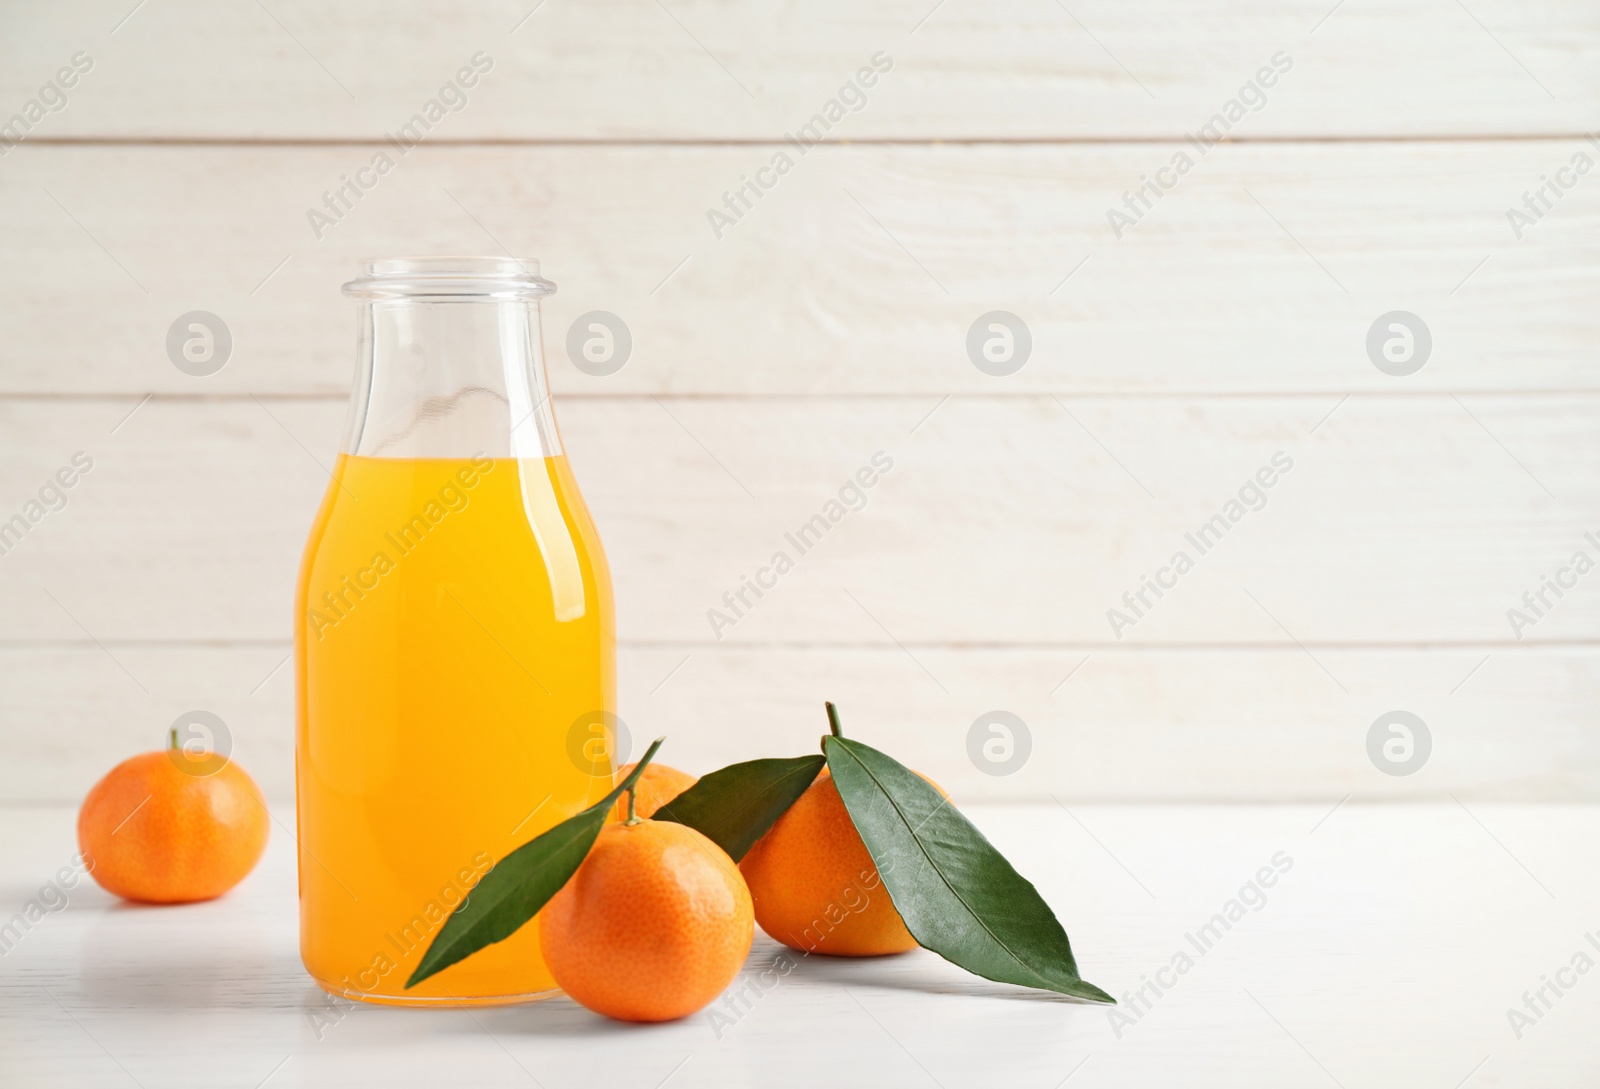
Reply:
x=958, y=896
x=521, y=883
x=734, y=806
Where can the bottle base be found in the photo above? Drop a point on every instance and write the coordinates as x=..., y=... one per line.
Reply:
x=355, y=995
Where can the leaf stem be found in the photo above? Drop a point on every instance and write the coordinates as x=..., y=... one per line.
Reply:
x=633, y=777
x=638, y=769
x=833, y=719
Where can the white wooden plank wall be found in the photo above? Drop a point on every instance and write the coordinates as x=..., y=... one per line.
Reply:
x=775, y=355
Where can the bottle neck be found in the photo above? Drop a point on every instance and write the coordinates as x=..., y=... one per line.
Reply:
x=450, y=378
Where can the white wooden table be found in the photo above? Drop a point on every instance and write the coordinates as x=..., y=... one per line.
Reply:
x=1388, y=955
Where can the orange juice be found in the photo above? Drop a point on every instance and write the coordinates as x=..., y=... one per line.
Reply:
x=454, y=630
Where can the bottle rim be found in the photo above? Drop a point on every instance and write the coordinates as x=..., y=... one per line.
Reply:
x=459, y=277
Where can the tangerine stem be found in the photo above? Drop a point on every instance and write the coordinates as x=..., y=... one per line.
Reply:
x=172, y=738
x=833, y=719
x=633, y=818
x=638, y=770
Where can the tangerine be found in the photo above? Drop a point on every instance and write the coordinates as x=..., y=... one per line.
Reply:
x=652, y=926
x=171, y=826
x=815, y=886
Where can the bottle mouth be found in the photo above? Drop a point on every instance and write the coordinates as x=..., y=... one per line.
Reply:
x=450, y=278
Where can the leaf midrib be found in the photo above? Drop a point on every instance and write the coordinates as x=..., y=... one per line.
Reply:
x=498, y=902
x=732, y=820
x=935, y=867
x=771, y=788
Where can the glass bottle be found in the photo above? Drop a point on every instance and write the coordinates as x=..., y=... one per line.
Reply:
x=454, y=635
